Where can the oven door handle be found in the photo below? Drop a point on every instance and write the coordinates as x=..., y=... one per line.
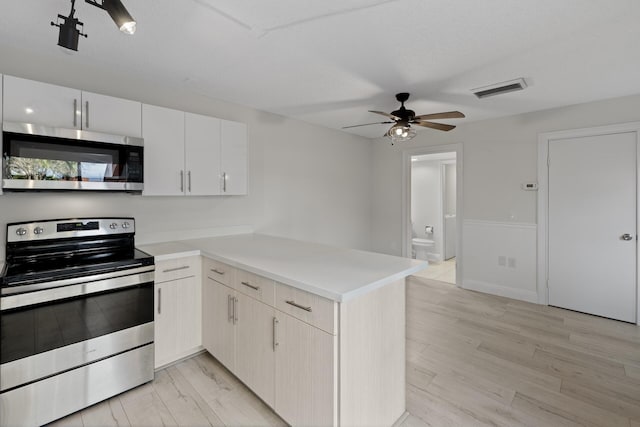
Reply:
x=8, y=302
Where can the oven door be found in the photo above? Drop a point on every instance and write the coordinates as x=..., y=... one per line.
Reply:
x=50, y=331
x=41, y=158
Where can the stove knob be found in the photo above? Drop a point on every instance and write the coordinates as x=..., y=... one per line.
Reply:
x=125, y=225
x=38, y=230
x=113, y=225
x=21, y=231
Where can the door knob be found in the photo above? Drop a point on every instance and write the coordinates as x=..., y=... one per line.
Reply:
x=626, y=236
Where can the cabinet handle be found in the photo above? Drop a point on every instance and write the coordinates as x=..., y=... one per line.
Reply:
x=169, y=270
x=255, y=288
x=86, y=119
x=224, y=182
x=229, y=309
x=275, y=333
x=189, y=181
x=301, y=307
x=181, y=181
x=160, y=301
x=235, y=310
x=215, y=270
x=75, y=117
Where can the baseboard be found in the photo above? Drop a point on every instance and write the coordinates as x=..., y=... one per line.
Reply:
x=503, y=291
x=188, y=354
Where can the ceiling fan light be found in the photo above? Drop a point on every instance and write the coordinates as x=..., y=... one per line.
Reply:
x=401, y=133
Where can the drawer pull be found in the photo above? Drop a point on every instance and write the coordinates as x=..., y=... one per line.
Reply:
x=249, y=285
x=301, y=307
x=229, y=308
x=215, y=270
x=169, y=270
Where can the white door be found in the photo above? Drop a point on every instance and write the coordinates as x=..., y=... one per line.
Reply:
x=233, y=156
x=592, y=225
x=102, y=113
x=28, y=101
x=202, y=142
x=163, y=133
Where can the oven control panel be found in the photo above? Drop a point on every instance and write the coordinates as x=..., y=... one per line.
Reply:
x=68, y=228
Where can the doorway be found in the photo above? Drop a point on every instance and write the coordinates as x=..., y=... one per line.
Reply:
x=589, y=221
x=432, y=210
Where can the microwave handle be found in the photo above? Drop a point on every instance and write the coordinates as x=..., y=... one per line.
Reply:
x=86, y=118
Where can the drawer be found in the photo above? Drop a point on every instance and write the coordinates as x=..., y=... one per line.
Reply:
x=218, y=271
x=310, y=308
x=179, y=268
x=255, y=286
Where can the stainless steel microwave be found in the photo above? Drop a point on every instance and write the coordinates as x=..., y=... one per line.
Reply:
x=43, y=158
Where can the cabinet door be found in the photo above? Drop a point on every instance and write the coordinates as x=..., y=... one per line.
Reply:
x=101, y=113
x=189, y=320
x=163, y=133
x=165, y=323
x=255, y=355
x=218, y=329
x=233, y=156
x=202, y=136
x=28, y=101
x=305, y=374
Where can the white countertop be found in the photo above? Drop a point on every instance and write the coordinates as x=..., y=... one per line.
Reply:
x=336, y=273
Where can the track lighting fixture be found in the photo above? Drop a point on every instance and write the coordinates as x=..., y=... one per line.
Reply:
x=118, y=13
x=71, y=28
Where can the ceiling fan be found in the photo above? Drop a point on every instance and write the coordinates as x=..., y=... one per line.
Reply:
x=402, y=120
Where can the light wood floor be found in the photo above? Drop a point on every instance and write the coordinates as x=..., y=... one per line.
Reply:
x=472, y=359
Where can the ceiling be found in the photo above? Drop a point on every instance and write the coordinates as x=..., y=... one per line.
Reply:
x=329, y=61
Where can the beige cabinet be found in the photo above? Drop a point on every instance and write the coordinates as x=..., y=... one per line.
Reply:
x=218, y=329
x=255, y=345
x=178, y=326
x=29, y=101
x=305, y=373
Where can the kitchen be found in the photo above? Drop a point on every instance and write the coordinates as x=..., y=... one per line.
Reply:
x=305, y=181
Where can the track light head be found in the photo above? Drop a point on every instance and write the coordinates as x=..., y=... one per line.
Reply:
x=120, y=15
x=70, y=29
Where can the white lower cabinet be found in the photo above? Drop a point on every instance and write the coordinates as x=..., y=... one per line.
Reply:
x=305, y=373
x=178, y=330
x=255, y=344
x=218, y=327
x=291, y=365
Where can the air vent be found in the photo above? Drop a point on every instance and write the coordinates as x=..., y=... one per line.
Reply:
x=499, y=88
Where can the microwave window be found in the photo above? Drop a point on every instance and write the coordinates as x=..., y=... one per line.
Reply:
x=62, y=162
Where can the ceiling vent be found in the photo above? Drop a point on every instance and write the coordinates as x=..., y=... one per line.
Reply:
x=499, y=88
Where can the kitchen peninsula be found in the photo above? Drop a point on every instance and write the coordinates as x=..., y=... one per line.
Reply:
x=317, y=332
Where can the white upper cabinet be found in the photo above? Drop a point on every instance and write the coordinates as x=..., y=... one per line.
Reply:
x=233, y=158
x=163, y=133
x=102, y=113
x=202, y=148
x=28, y=101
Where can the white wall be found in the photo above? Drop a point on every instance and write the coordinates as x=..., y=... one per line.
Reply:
x=305, y=182
x=498, y=156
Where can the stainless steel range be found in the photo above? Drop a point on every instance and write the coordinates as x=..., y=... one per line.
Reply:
x=76, y=317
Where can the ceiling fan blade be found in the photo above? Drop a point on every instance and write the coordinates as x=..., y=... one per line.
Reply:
x=391, y=116
x=446, y=115
x=367, y=124
x=439, y=126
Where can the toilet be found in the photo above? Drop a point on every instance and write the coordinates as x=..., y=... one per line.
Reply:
x=422, y=247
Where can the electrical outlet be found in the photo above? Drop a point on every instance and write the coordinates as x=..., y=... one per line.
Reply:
x=511, y=262
x=502, y=261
